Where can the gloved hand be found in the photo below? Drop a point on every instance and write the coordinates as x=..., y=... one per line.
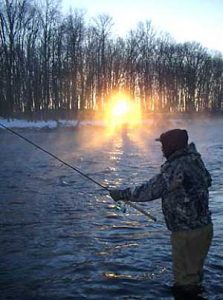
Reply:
x=116, y=194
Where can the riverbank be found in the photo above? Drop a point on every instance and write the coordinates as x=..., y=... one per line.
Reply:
x=96, y=116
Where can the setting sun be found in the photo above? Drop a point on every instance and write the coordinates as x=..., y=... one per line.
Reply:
x=120, y=108
x=121, y=111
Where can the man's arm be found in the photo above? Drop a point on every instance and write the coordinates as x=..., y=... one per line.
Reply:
x=150, y=190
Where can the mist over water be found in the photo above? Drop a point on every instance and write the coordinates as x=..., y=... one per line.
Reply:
x=60, y=234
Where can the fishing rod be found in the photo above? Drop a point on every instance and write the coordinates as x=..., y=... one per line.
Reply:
x=76, y=170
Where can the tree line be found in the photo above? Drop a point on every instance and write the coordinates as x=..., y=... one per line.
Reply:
x=53, y=62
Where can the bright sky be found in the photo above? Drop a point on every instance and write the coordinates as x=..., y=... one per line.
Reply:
x=185, y=20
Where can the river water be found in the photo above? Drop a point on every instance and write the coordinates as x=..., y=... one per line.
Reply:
x=61, y=236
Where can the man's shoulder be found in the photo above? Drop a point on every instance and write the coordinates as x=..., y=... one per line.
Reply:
x=179, y=164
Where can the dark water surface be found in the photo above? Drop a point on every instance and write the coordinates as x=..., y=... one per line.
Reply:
x=62, y=238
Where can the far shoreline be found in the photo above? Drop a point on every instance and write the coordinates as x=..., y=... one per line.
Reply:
x=98, y=116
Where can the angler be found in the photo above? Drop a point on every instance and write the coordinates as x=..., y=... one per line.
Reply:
x=182, y=184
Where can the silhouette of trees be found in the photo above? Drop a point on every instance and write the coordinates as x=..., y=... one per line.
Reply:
x=52, y=62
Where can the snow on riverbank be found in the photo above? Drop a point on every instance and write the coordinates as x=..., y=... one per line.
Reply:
x=51, y=124
x=159, y=120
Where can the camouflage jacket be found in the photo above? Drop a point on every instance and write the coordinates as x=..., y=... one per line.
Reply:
x=182, y=184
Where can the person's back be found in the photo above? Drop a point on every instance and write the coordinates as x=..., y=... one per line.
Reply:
x=185, y=202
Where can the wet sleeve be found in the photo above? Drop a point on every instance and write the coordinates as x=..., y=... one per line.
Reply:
x=150, y=190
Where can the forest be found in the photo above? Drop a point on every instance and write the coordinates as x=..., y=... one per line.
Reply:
x=50, y=61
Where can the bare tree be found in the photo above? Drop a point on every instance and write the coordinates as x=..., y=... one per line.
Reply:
x=74, y=36
x=102, y=30
x=53, y=62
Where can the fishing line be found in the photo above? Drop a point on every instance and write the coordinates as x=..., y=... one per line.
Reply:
x=75, y=169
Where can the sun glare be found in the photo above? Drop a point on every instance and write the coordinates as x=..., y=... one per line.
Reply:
x=120, y=108
x=121, y=111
